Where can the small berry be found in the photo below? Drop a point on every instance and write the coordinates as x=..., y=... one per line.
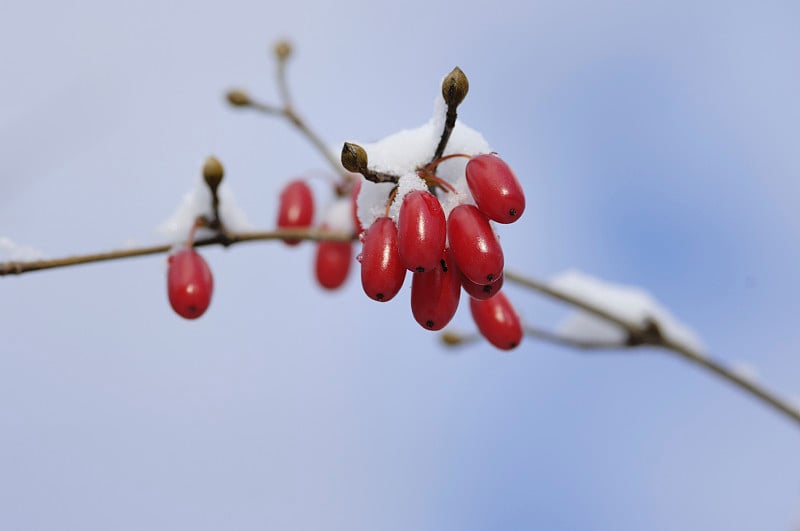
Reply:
x=495, y=188
x=382, y=269
x=497, y=321
x=475, y=248
x=189, y=283
x=332, y=263
x=296, y=208
x=435, y=294
x=421, y=231
x=482, y=291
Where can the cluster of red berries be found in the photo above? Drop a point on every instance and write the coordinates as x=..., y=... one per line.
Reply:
x=447, y=247
x=446, y=254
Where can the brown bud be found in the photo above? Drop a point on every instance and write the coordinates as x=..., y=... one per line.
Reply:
x=213, y=172
x=455, y=87
x=282, y=50
x=354, y=158
x=238, y=98
x=451, y=338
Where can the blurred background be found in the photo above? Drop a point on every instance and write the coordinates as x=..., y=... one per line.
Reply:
x=657, y=142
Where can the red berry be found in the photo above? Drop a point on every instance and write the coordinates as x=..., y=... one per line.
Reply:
x=382, y=270
x=421, y=231
x=495, y=188
x=475, y=247
x=332, y=263
x=189, y=284
x=296, y=208
x=497, y=321
x=435, y=294
x=482, y=291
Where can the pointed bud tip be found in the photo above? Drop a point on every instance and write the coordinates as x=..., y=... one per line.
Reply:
x=354, y=157
x=213, y=172
x=455, y=87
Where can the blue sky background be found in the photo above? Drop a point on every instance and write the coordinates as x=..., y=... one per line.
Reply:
x=657, y=142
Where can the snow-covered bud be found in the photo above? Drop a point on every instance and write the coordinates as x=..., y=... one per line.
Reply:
x=455, y=87
x=354, y=158
x=238, y=98
x=282, y=50
x=213, y=173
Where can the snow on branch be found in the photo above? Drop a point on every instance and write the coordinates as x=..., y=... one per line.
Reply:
x=197, y=203
x=12, y=251
x=628, y=304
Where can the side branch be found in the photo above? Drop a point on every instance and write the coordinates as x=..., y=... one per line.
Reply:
x=452, y=338
x=239, y=98
x=650, y=334
x=224, y=239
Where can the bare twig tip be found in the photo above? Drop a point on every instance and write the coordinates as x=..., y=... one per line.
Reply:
x=282, y=50
x=238, y=98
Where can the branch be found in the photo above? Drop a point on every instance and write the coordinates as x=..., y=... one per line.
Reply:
x=454, y=338
x=224, y=238
x=454, y=89
x=650, y=334
x=240, y=98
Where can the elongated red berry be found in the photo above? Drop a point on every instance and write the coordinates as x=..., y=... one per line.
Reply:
x=421, y=231
x=296, y=208
x=382, y=270
x=497, y=321
x=474, y=245
x=332, y=263
x=495, y=188
x=435, y=294
x=189, y=283
x=482, y=291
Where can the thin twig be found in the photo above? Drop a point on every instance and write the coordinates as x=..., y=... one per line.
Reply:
x=283, y=86
x=554, y=293
x=566, y=341
x=297, y=121
x=286, y=110
x=453, y=338
x=649, y=333
x=449, y=123
x=742, y=382
x=225, y=239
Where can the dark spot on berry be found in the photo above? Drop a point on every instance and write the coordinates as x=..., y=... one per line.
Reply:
x=420, y=269
x=487, y=289
x=512, y=212
x=379, y=296
x=512, y=345
x=489, y=277
x=444, y=265
x=192, y=309
x=429, y=323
